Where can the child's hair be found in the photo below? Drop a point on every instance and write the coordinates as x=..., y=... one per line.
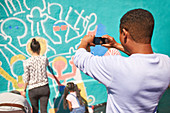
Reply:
x=35, y=46
x=71, y=87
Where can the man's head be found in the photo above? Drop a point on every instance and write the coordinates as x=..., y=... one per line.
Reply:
x=139, y=24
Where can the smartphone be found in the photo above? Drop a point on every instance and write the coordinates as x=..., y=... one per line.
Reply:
x=100, y=40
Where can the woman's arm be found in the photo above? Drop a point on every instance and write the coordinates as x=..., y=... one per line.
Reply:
x=69, y=105
x=26, y=77
x=24, y=92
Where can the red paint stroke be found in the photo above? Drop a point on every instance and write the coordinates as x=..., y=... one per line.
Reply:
x=112, y=51
x=56, y=28
x=63, y=27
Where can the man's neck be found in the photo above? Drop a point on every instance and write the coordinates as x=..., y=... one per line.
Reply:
x=142, y=49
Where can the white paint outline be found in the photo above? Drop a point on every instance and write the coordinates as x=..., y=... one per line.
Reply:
x=53, y=4
x=18, y=37
x=4, y=9
x=32, y=23
x=44, y=4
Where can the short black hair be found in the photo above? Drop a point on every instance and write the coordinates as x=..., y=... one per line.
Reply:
x=15, y=92
x=35, y=46
x=139, y=23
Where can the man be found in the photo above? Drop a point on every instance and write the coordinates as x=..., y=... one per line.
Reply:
x=135, y=83
x=13, y=102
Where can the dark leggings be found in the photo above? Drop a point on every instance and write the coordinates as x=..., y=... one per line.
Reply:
x=39, y=94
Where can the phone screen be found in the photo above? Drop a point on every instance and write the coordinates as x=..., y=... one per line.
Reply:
x=99, y=40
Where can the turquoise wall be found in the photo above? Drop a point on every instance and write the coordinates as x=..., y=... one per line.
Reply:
x=59, y=25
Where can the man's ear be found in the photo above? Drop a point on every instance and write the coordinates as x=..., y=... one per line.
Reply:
x=125, y=35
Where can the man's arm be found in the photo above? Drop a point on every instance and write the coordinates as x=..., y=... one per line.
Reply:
x=90, y=64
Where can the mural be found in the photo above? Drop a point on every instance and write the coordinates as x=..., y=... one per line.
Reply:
x=59, y=32
x=58, y=26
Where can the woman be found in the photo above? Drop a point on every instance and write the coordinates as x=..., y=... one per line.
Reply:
x=35, y=77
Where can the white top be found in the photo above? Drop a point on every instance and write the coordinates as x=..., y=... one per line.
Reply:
x=35, y=73
x=15, y=99
x=72, y=98
x=134, y=84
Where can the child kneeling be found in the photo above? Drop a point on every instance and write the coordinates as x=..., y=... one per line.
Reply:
x=73, y=99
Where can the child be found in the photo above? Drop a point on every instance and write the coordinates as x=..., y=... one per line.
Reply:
x=73, y=99
x=35, y=77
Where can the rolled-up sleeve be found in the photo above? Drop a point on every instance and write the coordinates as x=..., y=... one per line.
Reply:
x=47, y=62
x=26, y=75
x=94, y=66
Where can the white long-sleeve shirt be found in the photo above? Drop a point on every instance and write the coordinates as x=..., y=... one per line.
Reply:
x=134, y=84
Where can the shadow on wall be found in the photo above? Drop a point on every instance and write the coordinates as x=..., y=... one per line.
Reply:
x=164, y=103
x=60, y=100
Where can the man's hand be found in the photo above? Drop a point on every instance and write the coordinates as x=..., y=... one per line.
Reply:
x=113, y=44
x=86, y=42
